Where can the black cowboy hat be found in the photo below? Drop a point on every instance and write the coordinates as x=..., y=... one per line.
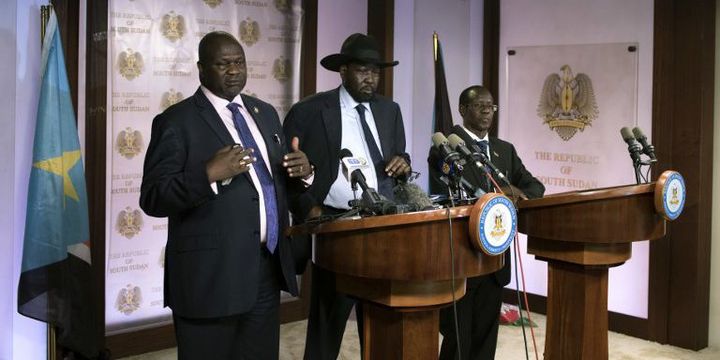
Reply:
x=356, y=48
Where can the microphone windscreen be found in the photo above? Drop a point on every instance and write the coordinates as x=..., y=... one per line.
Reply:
x=413, y=195
x=638, y=133
x=455, y=141
x=626, y=134
x=438, y=139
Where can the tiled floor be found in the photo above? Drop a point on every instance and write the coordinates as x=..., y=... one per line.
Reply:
x=510, y=345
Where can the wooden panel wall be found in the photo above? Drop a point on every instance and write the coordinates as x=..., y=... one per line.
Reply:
x=381, y=20
x=683, y=95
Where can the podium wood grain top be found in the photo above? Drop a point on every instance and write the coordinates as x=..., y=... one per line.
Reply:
x=374, y=222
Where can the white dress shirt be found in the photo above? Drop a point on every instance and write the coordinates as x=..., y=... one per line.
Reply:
x=353, y=139
x=476, y=139
x=220, y=106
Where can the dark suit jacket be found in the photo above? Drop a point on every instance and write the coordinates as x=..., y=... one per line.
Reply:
x=316, y=121
x=505, y=158
x=213, y=249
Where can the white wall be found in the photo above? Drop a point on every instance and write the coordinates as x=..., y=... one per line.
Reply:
x=20, y=337
x=337, y=19
x=714, y=323
x=568, y=22
x=459, y=27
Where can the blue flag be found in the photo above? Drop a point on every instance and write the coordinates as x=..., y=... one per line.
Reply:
x=56, y=275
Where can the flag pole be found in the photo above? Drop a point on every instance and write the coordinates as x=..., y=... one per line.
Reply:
x=44, y=18
x=45, y=11
x=435, y=45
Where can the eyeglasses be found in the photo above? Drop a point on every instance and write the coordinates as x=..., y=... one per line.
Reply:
x=482, y=107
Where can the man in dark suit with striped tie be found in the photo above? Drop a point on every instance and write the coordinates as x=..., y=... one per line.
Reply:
x=218, y=167
x=479, y=309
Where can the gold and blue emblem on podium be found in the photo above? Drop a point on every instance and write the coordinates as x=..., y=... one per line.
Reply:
x=493, y=223
x=670, y=194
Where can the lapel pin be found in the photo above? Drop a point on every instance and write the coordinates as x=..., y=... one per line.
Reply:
x=256, y=110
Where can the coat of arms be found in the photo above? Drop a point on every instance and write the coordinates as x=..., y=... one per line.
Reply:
x=674, y=200
x=249, y=31
x=281, y=69
x=498, y=229
x=130, y=63
x=129, y=143
x=172, y=26
x=129, y=222
x=567, y=102
x=170, y=98
x=128, y=299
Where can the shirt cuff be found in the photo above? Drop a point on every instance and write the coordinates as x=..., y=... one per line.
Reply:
x=308, y=180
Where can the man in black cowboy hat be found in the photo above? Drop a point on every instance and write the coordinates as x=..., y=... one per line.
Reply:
x=351, y=117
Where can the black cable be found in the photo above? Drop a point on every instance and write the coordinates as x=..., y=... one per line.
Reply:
x=452, y=274
x=519, y=301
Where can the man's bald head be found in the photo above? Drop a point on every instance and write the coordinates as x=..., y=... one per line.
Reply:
x=221, y=64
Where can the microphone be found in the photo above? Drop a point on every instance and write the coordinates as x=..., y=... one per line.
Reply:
x=370, y=200
x=489, y=165
x=449, y=156
x=413, y=196
x=458, y=144
x=451, y=173
x=352, y=169
x=634, y=148
x=647, y=148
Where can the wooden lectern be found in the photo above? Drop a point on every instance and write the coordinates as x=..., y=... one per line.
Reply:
x=582, y=234
x=400, y=267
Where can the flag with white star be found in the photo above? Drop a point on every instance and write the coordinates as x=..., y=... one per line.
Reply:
x=55, y=280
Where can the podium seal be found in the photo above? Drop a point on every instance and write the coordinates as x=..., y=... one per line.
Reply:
x=670, y=194
x=493, y=223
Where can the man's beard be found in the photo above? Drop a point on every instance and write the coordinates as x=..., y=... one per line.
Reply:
x=360, y=96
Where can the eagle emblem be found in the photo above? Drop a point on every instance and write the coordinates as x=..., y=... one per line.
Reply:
x=172, y=26
x=281, y=69
x=498, y=229
x=567, y=102
x=170, y=98
x=249, y=31
x=128, y=299
x=129, y=142
x=129, y=222
x=130, y=63
x=674, y=200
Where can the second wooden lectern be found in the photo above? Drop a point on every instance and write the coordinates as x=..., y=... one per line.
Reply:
x=581, y=235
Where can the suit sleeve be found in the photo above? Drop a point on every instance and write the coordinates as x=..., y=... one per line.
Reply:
x=170, y=185
x=400, y=135
x=523, y=179
x=302, y=199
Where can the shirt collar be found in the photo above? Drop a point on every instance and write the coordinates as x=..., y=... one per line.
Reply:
x=475, y=137
x=220, y=103
x=347, y=101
